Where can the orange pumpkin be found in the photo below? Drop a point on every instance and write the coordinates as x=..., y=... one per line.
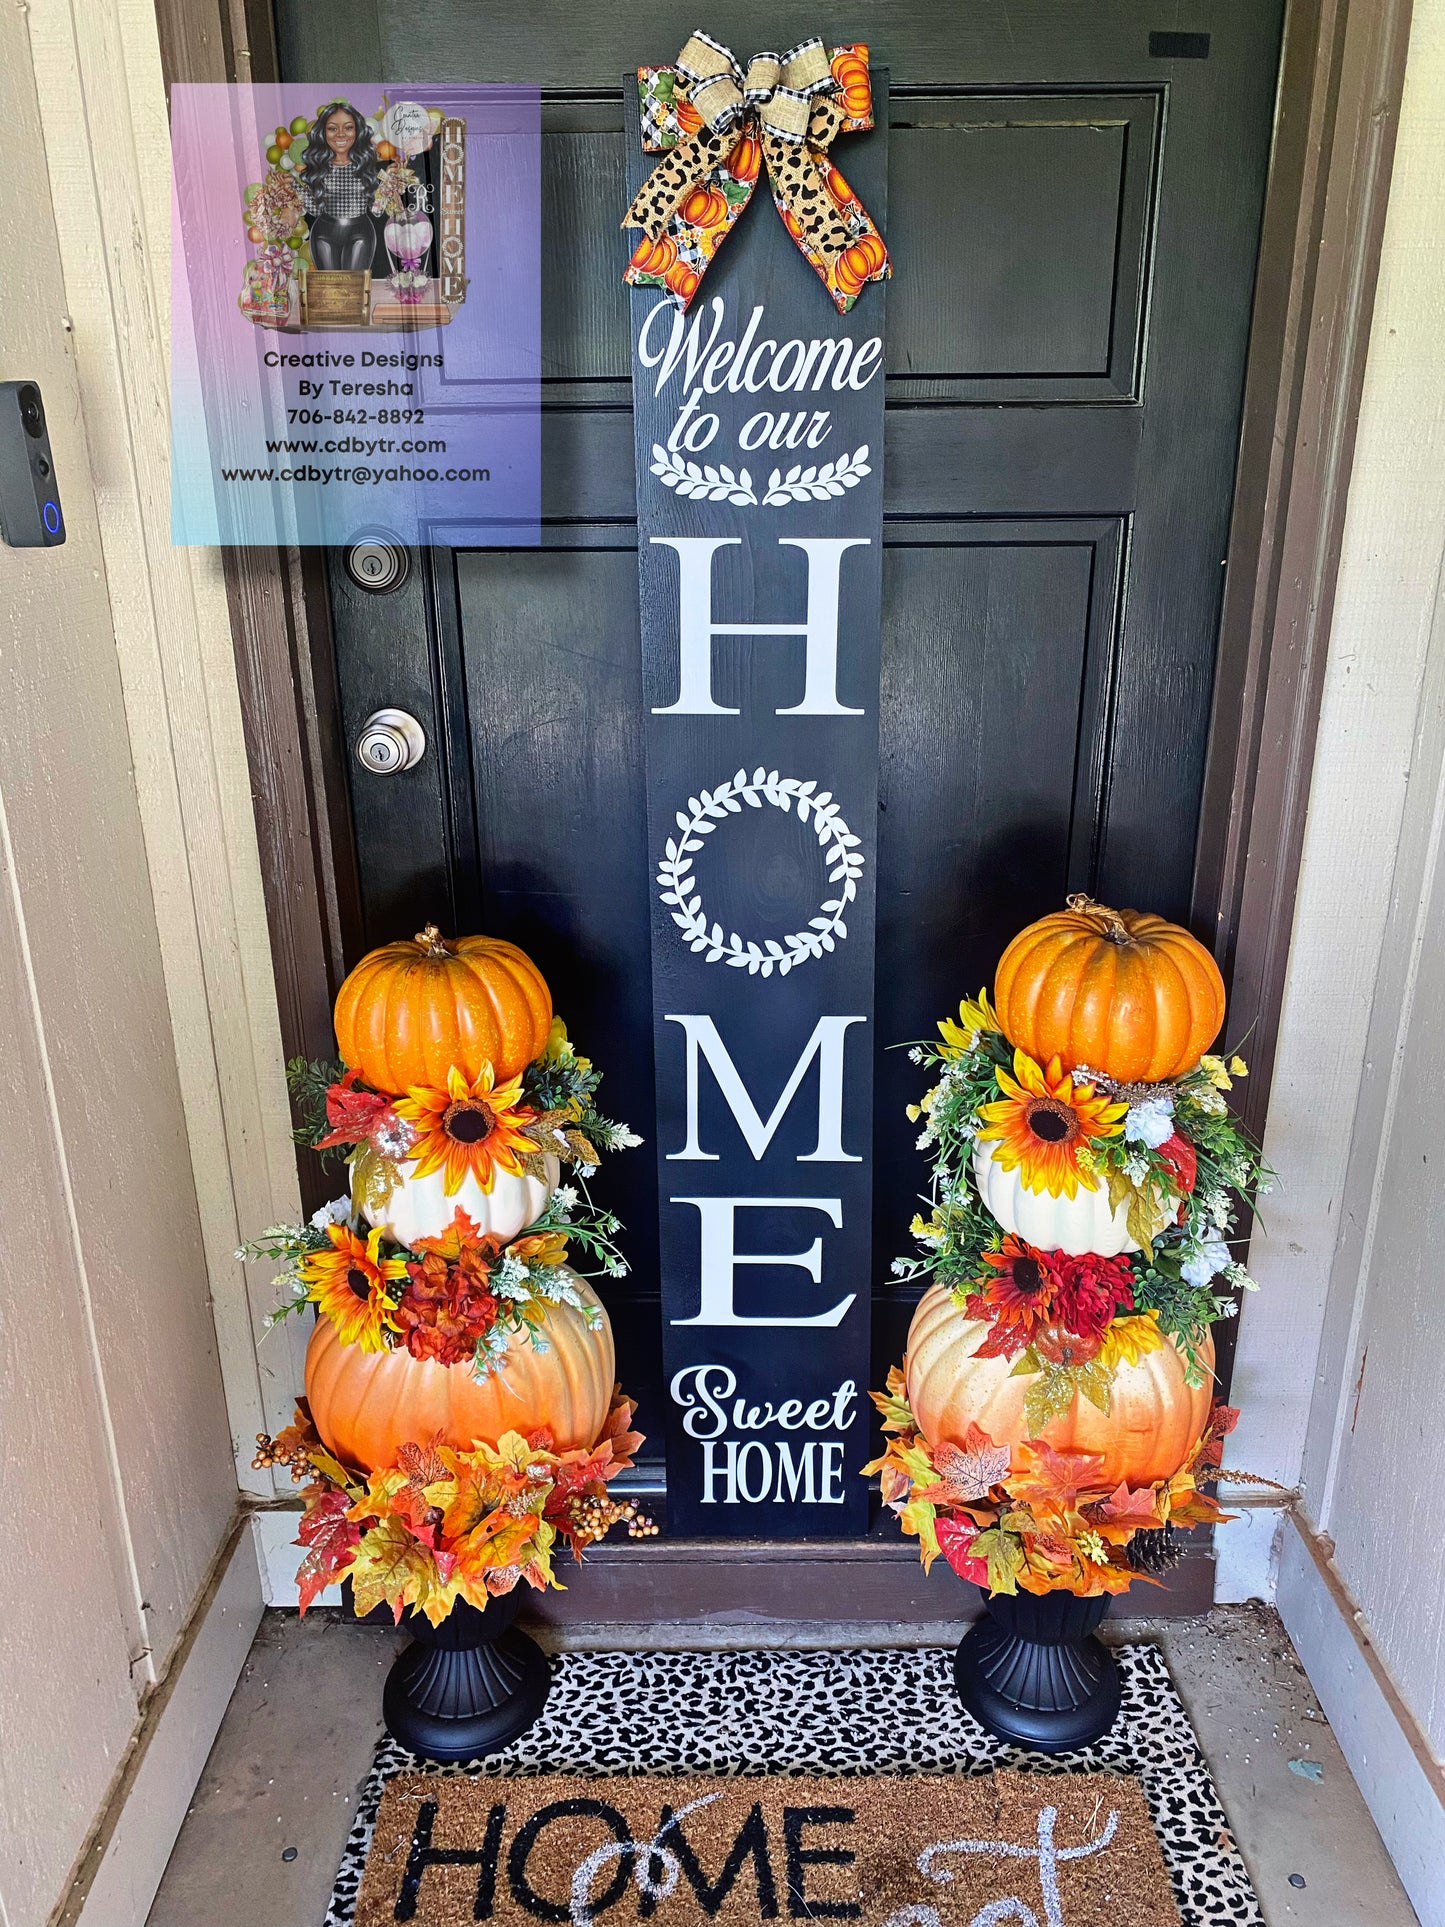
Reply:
x=850, y=70
x=683, y=280
x=412, y=1010
x=654, y=257
x=746, y=158
x=837, y=186
x=1120, y=991
x=368, y=1404
x=856, y=264
x=705, y=207
x=1146, y=1435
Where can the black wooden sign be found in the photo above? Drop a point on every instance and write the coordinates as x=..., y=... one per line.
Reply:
x=759, y=427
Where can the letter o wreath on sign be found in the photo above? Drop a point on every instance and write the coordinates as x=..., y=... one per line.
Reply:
x=678, y=887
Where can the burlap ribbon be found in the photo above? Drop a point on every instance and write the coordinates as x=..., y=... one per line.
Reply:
x=788, y=103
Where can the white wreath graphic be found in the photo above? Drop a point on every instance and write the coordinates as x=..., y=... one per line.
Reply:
x=704, y=812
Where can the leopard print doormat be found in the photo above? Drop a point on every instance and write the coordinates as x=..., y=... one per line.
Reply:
x=809, y=1716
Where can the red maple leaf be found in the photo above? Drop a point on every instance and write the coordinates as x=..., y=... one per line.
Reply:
x=618, y=1431
x=954, y=1540
x=1003, y=1341
x=422, y=1464
x=422, y=1519
x=330, y=1538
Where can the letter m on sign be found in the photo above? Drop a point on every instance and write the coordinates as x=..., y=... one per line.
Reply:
x=826, y=1044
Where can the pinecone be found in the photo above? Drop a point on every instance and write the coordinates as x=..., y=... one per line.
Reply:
x=1156, y=1550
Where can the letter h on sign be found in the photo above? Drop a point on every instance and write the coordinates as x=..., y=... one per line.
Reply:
x=697, y=626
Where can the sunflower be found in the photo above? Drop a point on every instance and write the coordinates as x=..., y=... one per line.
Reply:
x=348, y=1283
x=974, y=1015
x=1020, y=1291
x=1043, y=1121
x=477, y=1128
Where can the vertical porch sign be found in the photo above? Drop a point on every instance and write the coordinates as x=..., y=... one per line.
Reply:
x=759, y=434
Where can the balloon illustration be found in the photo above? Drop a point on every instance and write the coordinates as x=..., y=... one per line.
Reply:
x=408, y=126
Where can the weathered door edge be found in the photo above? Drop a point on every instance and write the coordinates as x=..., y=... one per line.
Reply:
x=1342, y=74
x=1341, y=78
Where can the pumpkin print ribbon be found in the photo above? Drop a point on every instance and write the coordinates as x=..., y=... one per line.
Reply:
x=716, y=122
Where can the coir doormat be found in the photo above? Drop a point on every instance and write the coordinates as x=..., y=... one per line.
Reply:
x=999, y=1847
x=813, y=1716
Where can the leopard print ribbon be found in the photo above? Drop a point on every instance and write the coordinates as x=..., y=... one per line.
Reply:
x=787, y=102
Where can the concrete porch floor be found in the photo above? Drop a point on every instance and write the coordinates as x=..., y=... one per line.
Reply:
x=298, y=1736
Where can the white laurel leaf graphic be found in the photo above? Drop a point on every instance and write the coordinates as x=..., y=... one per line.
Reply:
x=705, y=483
x=708, y=483
x=813, y=484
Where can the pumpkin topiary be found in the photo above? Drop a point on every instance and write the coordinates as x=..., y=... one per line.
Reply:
x=461, y=1421
x=1155, y=1416
x=1118, y=991
x=411, y=1011
x=368, y=1404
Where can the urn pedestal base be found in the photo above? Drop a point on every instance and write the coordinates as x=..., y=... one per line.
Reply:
x=1033, y=1672
x=467, y=1687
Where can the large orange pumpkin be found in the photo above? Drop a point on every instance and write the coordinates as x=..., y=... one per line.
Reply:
x=1121, y=991
x=368, y=1404
x=411, y=1010
x=1146, y=1435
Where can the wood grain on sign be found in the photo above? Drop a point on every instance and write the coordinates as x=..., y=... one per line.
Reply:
x=759, y=430
x=1080, y=1847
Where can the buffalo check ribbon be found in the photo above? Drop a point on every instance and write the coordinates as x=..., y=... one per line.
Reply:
x=716, y=122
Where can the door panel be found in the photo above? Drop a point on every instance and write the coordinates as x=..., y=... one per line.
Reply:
x=997, y=650
x=1074, y=225
x=551, y=635
x=1027, y=226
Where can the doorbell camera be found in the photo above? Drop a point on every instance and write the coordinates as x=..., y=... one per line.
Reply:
x=30, y=516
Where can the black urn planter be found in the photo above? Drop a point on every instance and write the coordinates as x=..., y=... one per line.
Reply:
x=1033, y=1672
x=467, y=1687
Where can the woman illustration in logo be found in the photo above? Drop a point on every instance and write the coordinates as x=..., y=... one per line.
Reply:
x=338, y=180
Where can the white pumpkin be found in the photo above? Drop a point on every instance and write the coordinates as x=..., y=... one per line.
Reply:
x=1075, y=1225
x=420, y=1207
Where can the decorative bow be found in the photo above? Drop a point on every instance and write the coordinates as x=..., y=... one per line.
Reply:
x=716, y=122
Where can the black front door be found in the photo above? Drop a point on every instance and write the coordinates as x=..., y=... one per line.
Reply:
x=1073, y=212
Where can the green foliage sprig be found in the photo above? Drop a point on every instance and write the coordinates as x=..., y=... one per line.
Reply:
x=308, y=1080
